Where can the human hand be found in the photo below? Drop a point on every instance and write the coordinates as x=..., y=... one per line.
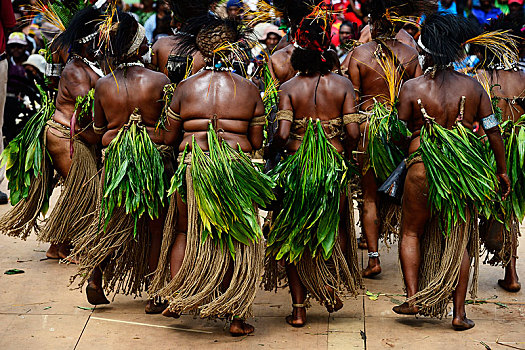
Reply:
x=504, y=182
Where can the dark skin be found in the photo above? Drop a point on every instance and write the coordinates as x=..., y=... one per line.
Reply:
x=163, y=48
x=138, y=88
x=280, y=65
x=368, y=78
x=443, y=105
x=76, y=80
x=229, y=102
x=508, y=85
x=335, y=98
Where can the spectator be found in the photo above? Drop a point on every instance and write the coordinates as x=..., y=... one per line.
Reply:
x=35, y=68
x=161, y=19
x=485, y=12
x=272, y=36
x=20, y=90
x=7, y=22
x=234, y=8
x=348, y=33
x=516, y=7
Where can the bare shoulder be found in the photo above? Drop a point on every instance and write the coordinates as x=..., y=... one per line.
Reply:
x=155, y=78
x=364, y=50
x=414, y=85
x=74, y=73
x=280, y=56
x=167, y=42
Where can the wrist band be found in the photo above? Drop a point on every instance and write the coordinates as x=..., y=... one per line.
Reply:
x=373, y=255
x=172, y=115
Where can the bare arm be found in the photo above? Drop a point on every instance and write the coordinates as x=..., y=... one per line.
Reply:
x=352, y=129
x=496, y=143
x=283, y=131
x=173, y=134
x=255, y=132
x=355, y=77
x=99, y=119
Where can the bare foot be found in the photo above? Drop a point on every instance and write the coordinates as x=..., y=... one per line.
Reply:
x=297, y=318
x=373, y=268
x=155, y=306
x=406, y=309
x=338, y=302
x=52, y=252
x=361, y=243
x=239, y=328
x=95, y=294
x=168, y=313
x=63, y=250
x=462, y=323
x=510, y=285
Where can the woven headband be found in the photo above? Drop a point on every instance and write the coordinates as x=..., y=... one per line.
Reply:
x=137, y=40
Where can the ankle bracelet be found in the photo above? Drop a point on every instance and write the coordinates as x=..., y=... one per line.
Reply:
x=373, y=255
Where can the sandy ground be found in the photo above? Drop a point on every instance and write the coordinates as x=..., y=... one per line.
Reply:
x=39, y=311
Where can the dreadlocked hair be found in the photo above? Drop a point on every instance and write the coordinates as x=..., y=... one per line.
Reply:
x=389, y=16
x=84, y=23
x=510, y=24
x=444, y=34
x=311, y=58
x=214, y=37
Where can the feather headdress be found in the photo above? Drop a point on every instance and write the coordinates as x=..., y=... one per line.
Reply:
x=388, y=16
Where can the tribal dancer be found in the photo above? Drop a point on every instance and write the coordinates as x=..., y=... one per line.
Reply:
x=165, y=54
x=307, y=232
x=212, y=236
x=69, y=152
x=505, y=83
x=124, y=243
x=448, y=179
x=377, y=70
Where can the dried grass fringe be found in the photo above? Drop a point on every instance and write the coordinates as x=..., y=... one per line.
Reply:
x=441, y=262
x=390, y=219
x=124, y=257
x=341, y=272
x=76, y=207
x=197, y=286
x=24, y=216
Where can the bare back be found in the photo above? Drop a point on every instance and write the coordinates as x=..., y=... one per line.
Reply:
x=76, y=80
x=227, y=100
x=324, y=97
x=369, y=78
x=163, y=48
x=509, y=87
x=441, y=98
x=140, y=88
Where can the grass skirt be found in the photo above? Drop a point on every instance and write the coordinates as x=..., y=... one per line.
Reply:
x=197, y=286
x=76, y=207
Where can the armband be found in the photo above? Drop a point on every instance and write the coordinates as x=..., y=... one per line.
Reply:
x=353, y=118
x=285, y=115
x=54, y=69
x=489, y=122
x=100, y=130
x=258, y=121
x=172, y=115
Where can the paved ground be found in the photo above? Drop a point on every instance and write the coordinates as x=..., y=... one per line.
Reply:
x=39, y=311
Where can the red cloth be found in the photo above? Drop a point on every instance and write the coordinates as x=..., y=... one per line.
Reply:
x=7, y=21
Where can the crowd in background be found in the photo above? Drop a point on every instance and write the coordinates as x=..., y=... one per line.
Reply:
x=22, y=37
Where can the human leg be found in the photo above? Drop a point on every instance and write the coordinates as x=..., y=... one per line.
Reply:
x=511, y=281
x=460, y=322
x=415, y=216
x=371, y=223
x=298, y=292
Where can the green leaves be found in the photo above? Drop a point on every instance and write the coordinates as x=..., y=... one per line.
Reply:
x=84, y=106
x=384, y=129
x=458, y=173
x=313, y=180
x=134, y=175
x=227, y=186
x=24, y=155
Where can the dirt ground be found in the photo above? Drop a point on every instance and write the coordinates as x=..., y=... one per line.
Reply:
x=38, y=310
